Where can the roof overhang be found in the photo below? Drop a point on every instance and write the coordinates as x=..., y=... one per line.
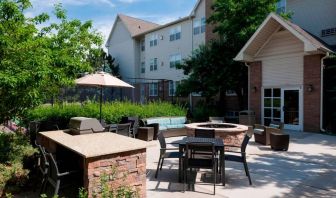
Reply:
x=271, y=25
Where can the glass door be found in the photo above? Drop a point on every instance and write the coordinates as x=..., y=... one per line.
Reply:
x=291, y=109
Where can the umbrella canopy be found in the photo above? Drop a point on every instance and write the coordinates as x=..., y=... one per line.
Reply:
x=101, y=79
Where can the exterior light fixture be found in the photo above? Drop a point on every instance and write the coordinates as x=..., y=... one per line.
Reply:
x=310, y=88
x=254, y=89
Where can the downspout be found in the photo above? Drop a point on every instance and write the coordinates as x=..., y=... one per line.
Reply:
x=322, y=90
x=248, y=86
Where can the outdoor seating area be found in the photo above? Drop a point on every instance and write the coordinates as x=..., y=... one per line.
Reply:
x=295, y=173
x=162, y=99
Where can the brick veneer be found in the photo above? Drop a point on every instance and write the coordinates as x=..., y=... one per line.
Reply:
x=256, y=81
x=311, y=106
x=130, y=168
x=209, y=35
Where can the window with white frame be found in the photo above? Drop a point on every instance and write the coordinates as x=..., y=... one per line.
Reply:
x=175, y=33
x=172, y=87
x=230, y=92
x=199, y=26
x=281, y=6
x=153, y=89
x=174, y=60
x=203, y=25
x=153, y=64
x=153, y=40
x=272, y=105
x=142, y=45
x=143, y=67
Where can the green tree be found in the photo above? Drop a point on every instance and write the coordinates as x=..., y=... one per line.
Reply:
x=105, y=62
x=211, y=68
x=36, y=62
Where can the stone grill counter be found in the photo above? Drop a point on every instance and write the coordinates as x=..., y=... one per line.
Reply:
x=103, y=153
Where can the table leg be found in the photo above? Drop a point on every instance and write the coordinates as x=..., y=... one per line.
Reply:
x=180, y=165
x=222, y=166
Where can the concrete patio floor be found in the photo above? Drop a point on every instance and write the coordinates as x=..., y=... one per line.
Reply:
x=307, y=169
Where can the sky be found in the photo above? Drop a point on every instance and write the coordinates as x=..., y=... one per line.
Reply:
x=104, y=12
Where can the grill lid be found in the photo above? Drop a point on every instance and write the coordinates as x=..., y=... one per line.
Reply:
x=81, y=125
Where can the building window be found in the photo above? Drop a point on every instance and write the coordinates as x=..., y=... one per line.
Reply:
x=143, y=48
x=175, y=33
x=153, y=40
x=329, y=32
x=203, y=24
x=143, y=67
x=153, y=89
x=272, y=105
x=172, y=87
x=174, y=60
x=281, y=6
x=153, y=64
x=199, y=26
x=230, y=93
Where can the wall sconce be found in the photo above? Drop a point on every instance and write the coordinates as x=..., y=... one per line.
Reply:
x=254, y=89
x=310, y=88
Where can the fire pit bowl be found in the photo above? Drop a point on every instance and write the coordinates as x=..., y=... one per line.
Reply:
x=232, y=134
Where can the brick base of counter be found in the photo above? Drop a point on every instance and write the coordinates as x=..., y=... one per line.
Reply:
x=123, y=169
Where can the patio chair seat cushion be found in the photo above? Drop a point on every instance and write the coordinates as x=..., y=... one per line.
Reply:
x=258, y=131
x=276, y=126
x=178, y=121
x=175, y=126
x=161, y=128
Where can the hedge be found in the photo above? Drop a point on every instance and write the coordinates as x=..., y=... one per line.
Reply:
x=111, y=112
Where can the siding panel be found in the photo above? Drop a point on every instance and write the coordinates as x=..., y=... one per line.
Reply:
x=282, y=61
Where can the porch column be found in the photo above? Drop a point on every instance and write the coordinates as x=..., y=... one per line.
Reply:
x=255, y=89
x=312, y=93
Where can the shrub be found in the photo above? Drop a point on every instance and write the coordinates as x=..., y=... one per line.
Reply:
x=111, y=112
x=14, y=151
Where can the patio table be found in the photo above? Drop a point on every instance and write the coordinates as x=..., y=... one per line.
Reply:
x=219, y=146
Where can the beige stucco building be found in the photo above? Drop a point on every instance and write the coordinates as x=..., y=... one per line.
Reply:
x=285, y=60
x=147, y=52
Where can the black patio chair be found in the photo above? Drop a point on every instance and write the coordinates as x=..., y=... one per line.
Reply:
x=42, y=165
x=205, y=133
x=124, y=129
x=239, y=156
x=134, y=124
x=195, y=161
x=164, y=154
x=54, y=175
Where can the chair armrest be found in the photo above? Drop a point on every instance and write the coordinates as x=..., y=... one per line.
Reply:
x=258, y=126
x=273, y=130
x=67, y=173
x=164, y=149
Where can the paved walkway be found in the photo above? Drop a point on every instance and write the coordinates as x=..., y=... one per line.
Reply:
x=307, y=169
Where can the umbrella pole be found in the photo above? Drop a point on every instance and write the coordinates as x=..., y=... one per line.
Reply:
x=101, y=101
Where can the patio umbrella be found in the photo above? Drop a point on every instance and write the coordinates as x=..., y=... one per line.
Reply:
x=102, y=79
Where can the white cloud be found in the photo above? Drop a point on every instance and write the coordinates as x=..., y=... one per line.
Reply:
x=129, y=1
x=50, y=3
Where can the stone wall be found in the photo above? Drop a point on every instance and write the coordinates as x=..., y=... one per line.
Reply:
x=124, y=169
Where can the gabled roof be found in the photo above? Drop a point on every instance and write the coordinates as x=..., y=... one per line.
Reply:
x=137, y=26
x=134, y=26
x=271, y=25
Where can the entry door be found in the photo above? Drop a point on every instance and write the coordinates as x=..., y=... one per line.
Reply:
x=291, y=109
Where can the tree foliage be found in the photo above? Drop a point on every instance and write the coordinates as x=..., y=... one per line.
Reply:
x=105, y=62
x=36, y=62
x=211, y=68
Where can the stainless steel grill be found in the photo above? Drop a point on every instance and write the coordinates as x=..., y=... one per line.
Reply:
x=83, y=125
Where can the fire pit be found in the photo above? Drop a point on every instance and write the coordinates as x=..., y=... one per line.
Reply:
x=232, y=134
